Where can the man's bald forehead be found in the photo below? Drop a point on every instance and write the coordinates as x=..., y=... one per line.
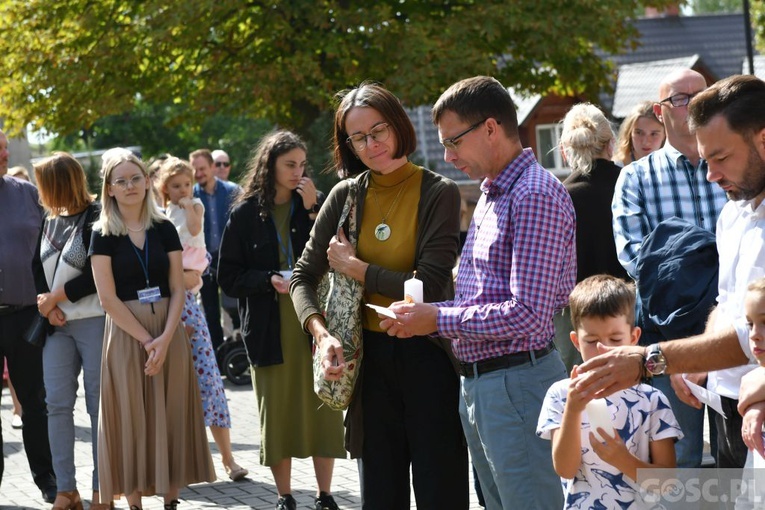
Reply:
x=218, y=153
x=675, y=79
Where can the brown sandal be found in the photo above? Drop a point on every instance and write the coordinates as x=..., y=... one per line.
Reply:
x=73, y=501
x=236, y=472
x=100, y=506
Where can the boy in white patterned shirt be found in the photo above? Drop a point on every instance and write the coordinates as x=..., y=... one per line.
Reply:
x=595, y=473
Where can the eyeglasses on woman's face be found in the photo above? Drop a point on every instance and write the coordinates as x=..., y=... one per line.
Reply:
x=133, y=182
x=358, y=141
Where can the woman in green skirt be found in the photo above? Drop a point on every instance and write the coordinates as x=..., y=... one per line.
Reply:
x=269, y=225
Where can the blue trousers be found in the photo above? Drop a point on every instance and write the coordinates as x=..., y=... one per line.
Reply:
x=70, y=348
x=689, y=449
x=499, y=412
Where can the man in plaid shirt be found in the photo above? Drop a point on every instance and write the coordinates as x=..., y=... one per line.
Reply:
x=669, y=182
x=518, y=267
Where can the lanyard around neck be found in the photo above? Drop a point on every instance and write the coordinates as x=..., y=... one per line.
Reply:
x=144, y=265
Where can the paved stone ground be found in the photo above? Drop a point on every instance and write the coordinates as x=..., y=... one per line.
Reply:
x=258, y=491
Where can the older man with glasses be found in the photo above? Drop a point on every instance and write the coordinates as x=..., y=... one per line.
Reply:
x=222, y=171
x=669, y=182
x=222, y=164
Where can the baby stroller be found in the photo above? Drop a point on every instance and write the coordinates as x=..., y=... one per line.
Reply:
x=232, y=359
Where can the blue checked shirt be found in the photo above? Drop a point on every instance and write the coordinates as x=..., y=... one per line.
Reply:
x=518, y=265
x=657, y=187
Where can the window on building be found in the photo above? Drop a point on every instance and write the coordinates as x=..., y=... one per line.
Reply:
x=548, y=153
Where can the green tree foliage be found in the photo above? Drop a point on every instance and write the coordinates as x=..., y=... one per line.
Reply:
x=714, y=6
x=757, y=10
x=157, y=130
x=68, y=63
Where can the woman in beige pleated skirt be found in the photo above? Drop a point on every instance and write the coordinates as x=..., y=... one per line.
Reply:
x=156, y=441
x=151, y=437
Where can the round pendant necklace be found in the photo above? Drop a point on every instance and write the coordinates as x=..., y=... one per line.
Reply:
x=382, y=230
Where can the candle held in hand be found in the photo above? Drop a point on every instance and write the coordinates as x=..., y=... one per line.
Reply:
x=413, y=291
x=600, y=417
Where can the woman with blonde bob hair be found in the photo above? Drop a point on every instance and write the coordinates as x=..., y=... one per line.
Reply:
x=151, y=436
x=640, y=134
x=66, y=295
x=111, y=221
x=587, y=143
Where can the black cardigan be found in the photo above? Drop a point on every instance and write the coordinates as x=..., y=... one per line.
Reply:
x=591, y=195
x=249, y=253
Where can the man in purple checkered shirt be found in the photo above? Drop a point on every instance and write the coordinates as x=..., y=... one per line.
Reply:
x=518, y=267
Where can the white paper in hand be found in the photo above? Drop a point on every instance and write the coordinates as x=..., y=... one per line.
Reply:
x=705, y=396
x=382, y=311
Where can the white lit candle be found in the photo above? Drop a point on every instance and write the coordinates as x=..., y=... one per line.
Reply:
x=600, y=417
x=413, y=290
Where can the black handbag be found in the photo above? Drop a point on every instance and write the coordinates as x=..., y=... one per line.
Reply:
x=37, y=332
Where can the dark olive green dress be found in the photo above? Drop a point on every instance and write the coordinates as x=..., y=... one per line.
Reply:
x=293, y=421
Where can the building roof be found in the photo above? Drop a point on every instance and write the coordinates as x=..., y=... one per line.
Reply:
x=717, y=41
x=524, y=104
x=639, y=82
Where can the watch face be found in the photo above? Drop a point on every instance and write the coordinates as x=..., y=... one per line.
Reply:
x=655, y=364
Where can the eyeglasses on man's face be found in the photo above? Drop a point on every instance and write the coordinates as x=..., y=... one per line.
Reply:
x=680, y=99
x=220, y=164
x=451, y=143
x=358, y=141
x=133, y=182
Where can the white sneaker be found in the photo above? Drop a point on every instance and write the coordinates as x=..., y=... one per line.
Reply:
x=16, y=422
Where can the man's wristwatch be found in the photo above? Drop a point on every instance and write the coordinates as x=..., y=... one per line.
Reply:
x=655, y=362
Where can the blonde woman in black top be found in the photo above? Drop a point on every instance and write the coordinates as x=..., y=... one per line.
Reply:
x=151, y=437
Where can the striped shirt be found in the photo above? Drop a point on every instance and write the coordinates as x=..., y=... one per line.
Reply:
x=518, y=265
x=657, y=187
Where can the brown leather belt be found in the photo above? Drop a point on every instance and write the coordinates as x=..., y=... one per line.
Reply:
x=509, y=360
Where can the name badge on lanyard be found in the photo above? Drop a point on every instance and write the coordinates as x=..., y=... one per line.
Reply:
x=150, y=294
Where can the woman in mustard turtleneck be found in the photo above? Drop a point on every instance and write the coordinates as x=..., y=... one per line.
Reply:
x=408, y=219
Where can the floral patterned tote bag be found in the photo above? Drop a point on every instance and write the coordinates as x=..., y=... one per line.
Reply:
x=341, y=298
